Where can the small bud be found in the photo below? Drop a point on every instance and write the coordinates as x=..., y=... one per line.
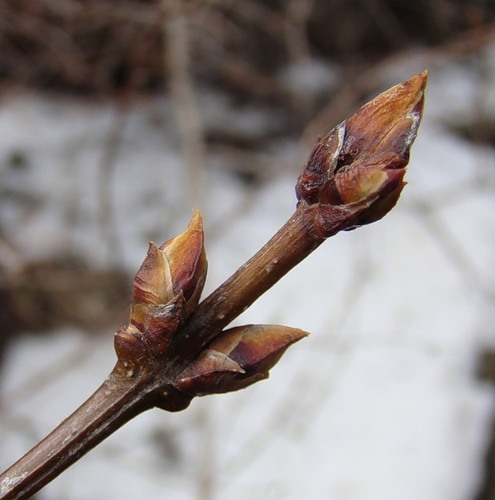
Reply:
x=361, y=163
x=129, y=345
x=150, y=329
x=177, y=266
x=166, y=290
x=236, y=358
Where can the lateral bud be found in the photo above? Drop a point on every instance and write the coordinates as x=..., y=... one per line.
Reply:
x=178, y=266
x=237, y=358
x=166, y=289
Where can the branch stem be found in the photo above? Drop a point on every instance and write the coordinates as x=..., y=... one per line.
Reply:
x=354, y=176
x=295, y=240
x=112, y=405
x=121, y=397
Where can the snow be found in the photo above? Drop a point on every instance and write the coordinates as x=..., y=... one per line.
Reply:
x=380, y=402
x=309, y=77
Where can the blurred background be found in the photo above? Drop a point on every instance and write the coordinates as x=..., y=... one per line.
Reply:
x=118, y=118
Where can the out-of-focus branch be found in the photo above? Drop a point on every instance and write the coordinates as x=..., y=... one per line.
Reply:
x=178, y=63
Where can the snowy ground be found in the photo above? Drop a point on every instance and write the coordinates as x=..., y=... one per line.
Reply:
x=380, y=402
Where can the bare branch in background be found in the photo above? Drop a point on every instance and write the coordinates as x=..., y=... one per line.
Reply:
x=178, y=62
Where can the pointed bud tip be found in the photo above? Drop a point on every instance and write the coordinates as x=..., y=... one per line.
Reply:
x=195, y=224
x=388, y=123
x=261, y=346
x=186, y=257
x=178, y=266
x=418, y=81
x=196, y=220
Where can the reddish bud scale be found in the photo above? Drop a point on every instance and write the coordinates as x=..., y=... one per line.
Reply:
x=129, y=345
x=186, y=258
x=238, y=357
x=361, y=163
x=157, y=324
x=166, y=290
x=153, y=281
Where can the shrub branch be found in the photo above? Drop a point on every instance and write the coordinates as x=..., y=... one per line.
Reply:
x=174, y=347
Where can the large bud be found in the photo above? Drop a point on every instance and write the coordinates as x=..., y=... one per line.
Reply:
x=362, y=161
x=236, y=358
x=166, y=289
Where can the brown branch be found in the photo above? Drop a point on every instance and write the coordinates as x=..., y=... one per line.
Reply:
x=173, y=348
x=113, y=404
x=289, y=246
x=120, y=398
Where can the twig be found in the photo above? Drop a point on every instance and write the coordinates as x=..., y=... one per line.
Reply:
x=173, y=348
x=454, y=250
x=106, y=171
x=177, y=43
